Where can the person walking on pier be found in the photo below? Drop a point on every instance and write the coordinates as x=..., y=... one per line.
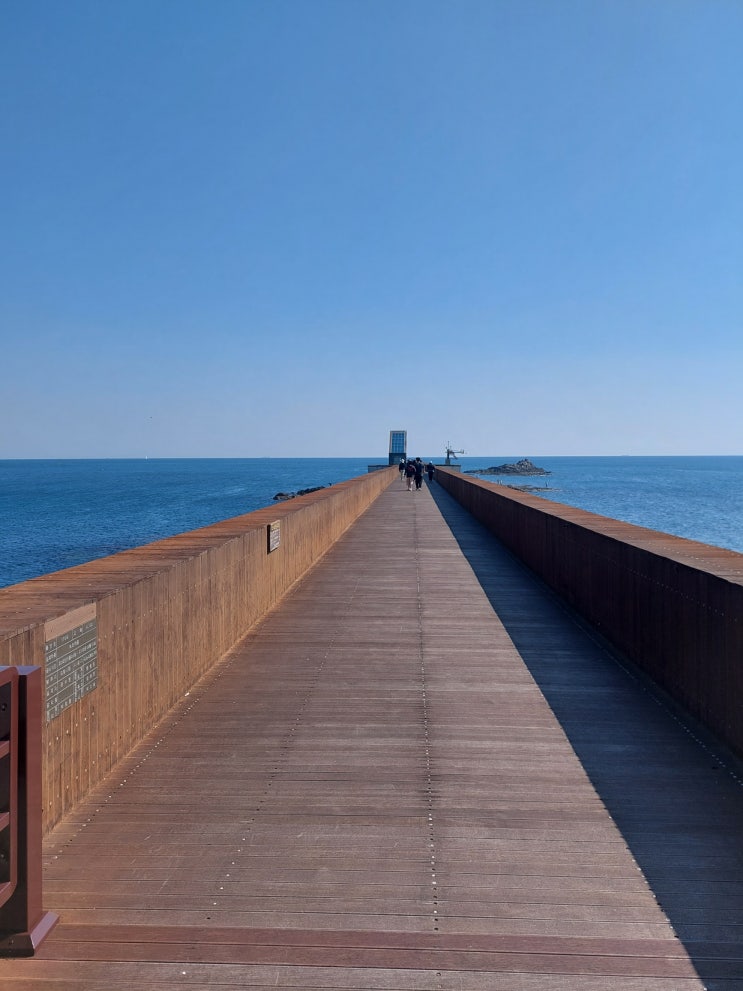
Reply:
x=418, y=473
x=401, y=469
x=410, y=474
x=430, y=468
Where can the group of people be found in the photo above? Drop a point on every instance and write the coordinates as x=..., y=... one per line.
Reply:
x=412, y=472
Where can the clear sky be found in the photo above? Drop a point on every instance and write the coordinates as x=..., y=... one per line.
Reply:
x=242, y=228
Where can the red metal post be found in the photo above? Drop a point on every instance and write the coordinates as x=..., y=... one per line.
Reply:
x=8, y=782
x=23, y=921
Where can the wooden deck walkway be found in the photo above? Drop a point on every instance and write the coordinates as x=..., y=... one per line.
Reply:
x=378, y=790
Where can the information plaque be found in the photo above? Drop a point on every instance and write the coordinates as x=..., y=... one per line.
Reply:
x=71, y=656
x=274, y=535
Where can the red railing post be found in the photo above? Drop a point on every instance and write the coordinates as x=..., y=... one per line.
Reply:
x=23, y=921
x=8, y=782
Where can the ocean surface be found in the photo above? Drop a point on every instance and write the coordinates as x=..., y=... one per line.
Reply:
x=55, y=514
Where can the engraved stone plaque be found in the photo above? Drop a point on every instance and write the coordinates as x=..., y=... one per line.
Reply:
x=71, y=655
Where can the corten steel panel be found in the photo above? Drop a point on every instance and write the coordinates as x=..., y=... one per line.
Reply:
x=370, y=792
x=673, y=606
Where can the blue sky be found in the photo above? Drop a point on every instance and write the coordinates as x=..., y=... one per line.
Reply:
x=242, y=228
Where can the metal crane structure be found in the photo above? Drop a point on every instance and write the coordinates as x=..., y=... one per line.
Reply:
x=451, y=453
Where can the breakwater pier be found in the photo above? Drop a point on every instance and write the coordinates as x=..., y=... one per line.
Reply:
x=384, y=739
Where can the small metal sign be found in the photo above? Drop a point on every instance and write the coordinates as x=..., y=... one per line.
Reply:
x=71, y=656
x=274, y=535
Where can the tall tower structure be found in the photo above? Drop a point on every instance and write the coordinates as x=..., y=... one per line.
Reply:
x=398, y=446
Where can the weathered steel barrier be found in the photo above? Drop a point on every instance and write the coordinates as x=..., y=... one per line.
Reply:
x=23, y=921
x=120, y=640
x=673, y=606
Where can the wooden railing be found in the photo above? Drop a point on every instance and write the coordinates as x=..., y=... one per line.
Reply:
x=672, y=606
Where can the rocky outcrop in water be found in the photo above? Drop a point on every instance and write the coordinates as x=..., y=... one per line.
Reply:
x=283, y=496
x=522, y=467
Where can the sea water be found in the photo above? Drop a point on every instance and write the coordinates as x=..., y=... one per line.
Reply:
x=55, y=514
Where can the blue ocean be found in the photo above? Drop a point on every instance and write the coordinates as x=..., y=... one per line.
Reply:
x=55, y=514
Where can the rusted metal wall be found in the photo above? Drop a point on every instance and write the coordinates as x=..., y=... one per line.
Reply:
x=673, y=606
x=166, y=613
